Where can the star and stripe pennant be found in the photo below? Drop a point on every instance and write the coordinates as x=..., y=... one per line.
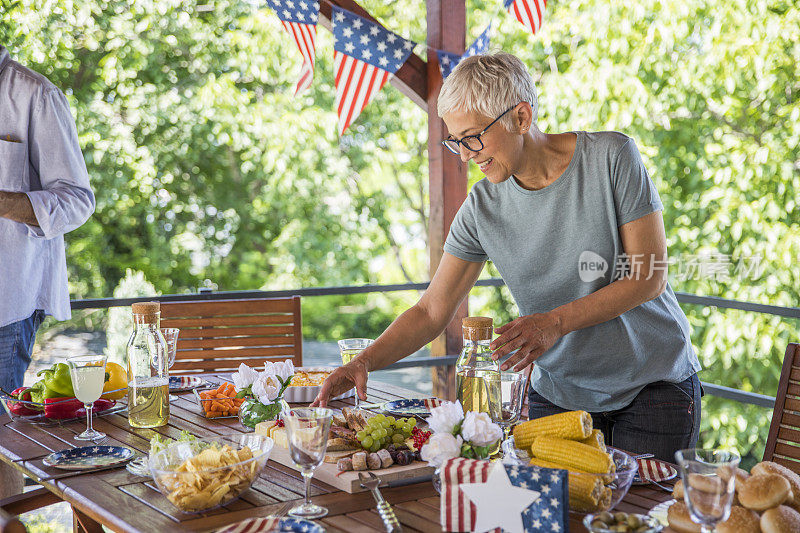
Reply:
x=528, y=12
x=299, y=19
x=448, y=60
x=365, y=55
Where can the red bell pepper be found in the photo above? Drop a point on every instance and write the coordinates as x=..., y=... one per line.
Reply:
x=61, y=408
x=98, y=407
x=19, y=408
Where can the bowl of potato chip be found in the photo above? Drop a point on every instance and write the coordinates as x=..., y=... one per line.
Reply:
x=202, y=474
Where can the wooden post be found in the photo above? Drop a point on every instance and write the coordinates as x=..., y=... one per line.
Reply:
x=447, y=28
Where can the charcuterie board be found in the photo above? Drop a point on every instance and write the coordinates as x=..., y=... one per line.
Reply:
x=418, y=471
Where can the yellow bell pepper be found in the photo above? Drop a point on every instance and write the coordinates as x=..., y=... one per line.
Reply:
x=116, y=378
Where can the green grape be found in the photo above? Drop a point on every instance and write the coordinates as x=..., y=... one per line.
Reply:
x=412, y=422
x=373, y=422
x=390, y=419
x=397, y=438
x=379, y=417
x=375, y=447
x=380, y=432
x=367, y=441
x=361, y=434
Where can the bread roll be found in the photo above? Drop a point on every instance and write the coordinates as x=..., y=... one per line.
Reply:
x=741, y=477
x=781, y=519
x=768, y=467
x=677, y=490
x=762, y=491
x=741, y=520
x=679, y=519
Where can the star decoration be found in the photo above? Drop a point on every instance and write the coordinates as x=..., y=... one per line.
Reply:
x=498, y=502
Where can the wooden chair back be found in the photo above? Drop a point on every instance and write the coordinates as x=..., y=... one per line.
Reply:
x=219, y=335
x=783, y=441
x=10, y=523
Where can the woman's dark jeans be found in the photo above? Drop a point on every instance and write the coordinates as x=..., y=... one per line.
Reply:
x=662, y=419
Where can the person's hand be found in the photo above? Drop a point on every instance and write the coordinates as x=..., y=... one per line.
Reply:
x=342, y=380
x=530, y=335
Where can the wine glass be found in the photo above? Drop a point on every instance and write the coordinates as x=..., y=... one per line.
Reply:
x=512, y=395
x=88, y=375
x=350, y=348
x=708, y=484
x=307, y=431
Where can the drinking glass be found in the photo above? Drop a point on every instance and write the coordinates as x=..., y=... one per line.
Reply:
x=708, y=484
x=88, y=375
x=171, y=337
x=350, y=348
x=512, y=395
x=307, y=431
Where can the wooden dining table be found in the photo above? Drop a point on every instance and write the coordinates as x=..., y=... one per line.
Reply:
x=125, y=502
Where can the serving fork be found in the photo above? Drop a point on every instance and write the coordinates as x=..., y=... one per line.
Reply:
x=384, y=509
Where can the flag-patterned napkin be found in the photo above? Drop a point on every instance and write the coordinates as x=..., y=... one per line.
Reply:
x=430, y=403
x=549, y=513
x=654, y=470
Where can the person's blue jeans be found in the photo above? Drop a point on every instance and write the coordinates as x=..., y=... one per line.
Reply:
x=16, y=345
x=662, y=419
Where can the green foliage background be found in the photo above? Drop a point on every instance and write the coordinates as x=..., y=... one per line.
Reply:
x=208, y=172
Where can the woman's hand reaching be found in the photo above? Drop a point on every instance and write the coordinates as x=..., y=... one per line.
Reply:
x=530, y=335
x=342, y=380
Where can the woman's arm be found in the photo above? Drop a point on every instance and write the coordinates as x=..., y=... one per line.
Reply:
x=643, y=239
x=412, y=330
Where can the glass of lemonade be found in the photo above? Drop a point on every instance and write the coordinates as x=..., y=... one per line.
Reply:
x=350, y=348
x=88, y=375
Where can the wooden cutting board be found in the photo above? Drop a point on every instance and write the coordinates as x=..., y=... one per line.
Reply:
x=349, y=482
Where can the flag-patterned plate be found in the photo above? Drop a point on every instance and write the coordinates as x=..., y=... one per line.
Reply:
x=89, y=457
x=271, y=523
x=654, y=470
x=184, y=383
x=411, y=407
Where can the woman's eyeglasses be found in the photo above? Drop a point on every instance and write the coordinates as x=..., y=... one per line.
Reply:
x=471, y=142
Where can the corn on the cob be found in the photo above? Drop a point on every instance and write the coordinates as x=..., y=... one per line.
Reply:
x=585, y=490
x=573, y=454
x=595, y=440
x=569, y=425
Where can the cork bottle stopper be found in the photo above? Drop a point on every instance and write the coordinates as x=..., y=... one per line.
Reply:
x=477, y=328
x=148, y=310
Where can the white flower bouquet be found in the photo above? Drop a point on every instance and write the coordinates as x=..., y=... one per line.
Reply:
x=456, y=434
x=264, y=390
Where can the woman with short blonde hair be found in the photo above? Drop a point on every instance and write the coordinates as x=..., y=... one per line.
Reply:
x=573, y=224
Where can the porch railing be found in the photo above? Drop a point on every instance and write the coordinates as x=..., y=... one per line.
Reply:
x=721, y=391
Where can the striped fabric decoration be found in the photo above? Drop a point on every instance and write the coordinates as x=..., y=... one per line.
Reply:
x=528, y=12
x=365, y=55
x=299, y=19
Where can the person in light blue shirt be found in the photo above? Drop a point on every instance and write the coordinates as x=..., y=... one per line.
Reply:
x=44, y=193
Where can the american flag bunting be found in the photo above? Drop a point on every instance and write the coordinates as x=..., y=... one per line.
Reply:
x=528, y=12
x=365, y=54
x=448, y=60
x=549, y=513
x=299, y=19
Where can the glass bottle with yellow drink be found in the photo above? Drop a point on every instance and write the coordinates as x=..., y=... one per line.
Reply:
x=148, y=369
x=477, y=374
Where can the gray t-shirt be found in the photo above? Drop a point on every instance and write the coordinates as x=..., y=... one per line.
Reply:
x=560, y=243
